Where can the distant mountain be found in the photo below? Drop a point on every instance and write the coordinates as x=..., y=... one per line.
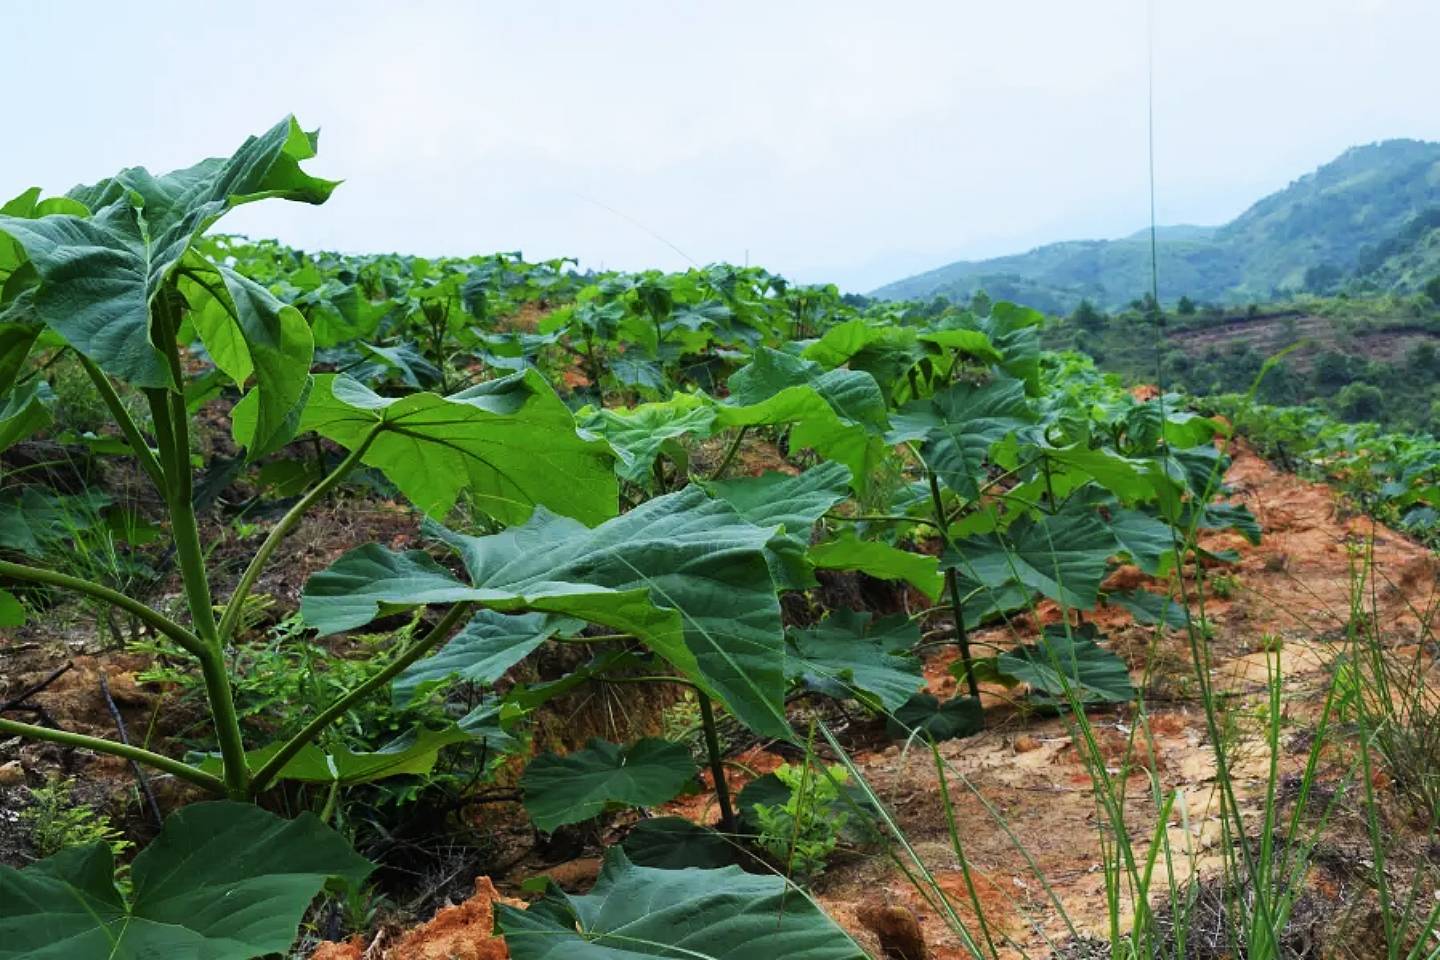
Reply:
x=1350, y=218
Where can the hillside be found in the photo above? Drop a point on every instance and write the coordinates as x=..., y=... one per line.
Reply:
x=1349, y=217
x=1362, y=358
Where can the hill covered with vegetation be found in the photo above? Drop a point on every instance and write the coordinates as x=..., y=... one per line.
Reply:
x=1360, y=358
x=1369, y=219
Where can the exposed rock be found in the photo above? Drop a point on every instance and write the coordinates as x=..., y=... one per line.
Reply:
x=897, y=928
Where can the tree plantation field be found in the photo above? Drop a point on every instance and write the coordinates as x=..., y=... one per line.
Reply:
x=699, y=614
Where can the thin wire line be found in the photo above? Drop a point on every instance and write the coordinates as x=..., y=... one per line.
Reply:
x=636, y=223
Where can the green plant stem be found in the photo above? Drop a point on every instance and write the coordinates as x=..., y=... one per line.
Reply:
x=138, y=754
x=152, y=618
x=268, y=770
x=728, y=824
x=173, y=433
x=952, y=584
x=231, y=615
x=122, y=417
x=730, y=454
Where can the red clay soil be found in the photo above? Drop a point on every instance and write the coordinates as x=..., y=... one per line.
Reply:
x=464, y=931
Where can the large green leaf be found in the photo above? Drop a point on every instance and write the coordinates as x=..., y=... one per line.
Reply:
x=582, y=784
x=222, y=881
x=849, y=552
x=490, y=644
x=510, y=442
x=848, y=656
x=853, y=395
x=973, y=342
x=248, y=332
x=795, y=503
x=1130, y=480
x=24, y=412
x=1063, y=557
x=100, y=275
x=682, y=573
x=1069, y=658
x=1152, y=608
x=930, y=718
x=1015, y=333
x=674, y=843
x=634, y=911
x=640, y=435
x=16, y=339
x=33, y=521
x=696, y=561
x=842, y=341
x=959, y=426
x=1149, y=541
x=838, y=413
x=414, y=753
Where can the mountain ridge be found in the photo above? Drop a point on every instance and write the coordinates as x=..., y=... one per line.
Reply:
x=1314, y=232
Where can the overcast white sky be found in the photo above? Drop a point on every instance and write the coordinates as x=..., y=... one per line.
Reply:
x=852, y=142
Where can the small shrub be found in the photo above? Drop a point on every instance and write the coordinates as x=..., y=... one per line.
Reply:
x=802, y=832
x=58, y=821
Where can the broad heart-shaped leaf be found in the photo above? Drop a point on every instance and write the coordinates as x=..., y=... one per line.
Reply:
x=842, y=341
x=795, y=503
x=16, y=339
x=637, y=912
x=247, y=331
x=849, y=552
x=674, y=843
x=490, y=644
x=1152, y=608
x=1149, y=541
x=839, y=413
x=29, y=206
x=1129, y=480
x=1069, y=657
x=580, y=785
x=682, y=573
x=1063, y=557
x=639, y=434
x=24, y=411
x=926, y=716
x=99, y=276
x=223, y=881
x=697, y=562
x=960, y=425
x=510, y=442
x=33, y=521
x=414, y=753
x=847, y=656
x=406, y=360
x=1014, y=331
x=1231, y=516
x=852, y=394
x=974, y=342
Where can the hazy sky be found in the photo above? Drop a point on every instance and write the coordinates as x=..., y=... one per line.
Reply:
x=853, y=142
